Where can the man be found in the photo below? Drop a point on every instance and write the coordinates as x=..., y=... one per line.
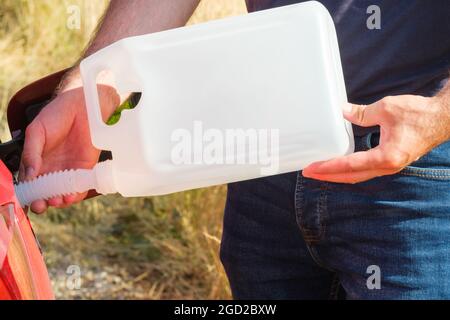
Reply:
x=375, y=223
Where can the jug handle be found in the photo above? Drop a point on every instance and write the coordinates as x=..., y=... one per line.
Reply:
x=89, y=69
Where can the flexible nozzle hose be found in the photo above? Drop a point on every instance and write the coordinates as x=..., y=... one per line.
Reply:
x=59, y=183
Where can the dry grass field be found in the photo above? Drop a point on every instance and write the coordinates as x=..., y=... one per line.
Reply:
x=145, y=248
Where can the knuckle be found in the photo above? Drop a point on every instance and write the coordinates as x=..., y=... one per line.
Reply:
x=396, y=161
x=387, y=99
x=386, y=110
x=361, y=115
x=33, y=128
x=30, y=129
x=387, y=105
x=27, y=159
x=383, y=105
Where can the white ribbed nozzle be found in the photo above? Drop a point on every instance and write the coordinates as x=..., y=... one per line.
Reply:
x=100, y=178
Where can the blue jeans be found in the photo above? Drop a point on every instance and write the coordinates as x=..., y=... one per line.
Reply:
x=289, y=237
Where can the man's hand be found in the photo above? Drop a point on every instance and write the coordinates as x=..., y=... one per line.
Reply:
x=59, y=138
x=410, y=127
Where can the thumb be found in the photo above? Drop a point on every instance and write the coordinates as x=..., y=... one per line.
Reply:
x=32, y=151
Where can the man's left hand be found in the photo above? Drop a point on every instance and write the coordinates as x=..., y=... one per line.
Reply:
x=410, y=126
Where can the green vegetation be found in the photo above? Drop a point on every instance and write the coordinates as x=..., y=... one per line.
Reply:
x=127, y=104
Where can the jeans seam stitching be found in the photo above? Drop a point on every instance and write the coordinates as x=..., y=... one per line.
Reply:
x=445, y=171
x=443, y=176
x=323, y=209
x=308, y=234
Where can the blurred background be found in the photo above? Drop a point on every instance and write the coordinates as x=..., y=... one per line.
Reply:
x=144, y=248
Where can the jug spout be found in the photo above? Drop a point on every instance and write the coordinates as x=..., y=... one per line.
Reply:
x=100, y=178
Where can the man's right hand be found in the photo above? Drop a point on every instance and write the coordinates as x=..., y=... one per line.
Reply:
x=59, y=139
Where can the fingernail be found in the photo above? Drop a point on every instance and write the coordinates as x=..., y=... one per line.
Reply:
x=347, y=107
x=29, y=173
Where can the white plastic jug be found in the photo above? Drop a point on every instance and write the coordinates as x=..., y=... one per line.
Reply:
x=272, y=71
x=223, y=101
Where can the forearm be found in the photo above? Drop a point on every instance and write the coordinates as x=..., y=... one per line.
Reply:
x=443, y=98
x=125, y=18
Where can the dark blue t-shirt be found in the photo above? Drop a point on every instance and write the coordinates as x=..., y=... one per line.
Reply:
x=409, y=54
